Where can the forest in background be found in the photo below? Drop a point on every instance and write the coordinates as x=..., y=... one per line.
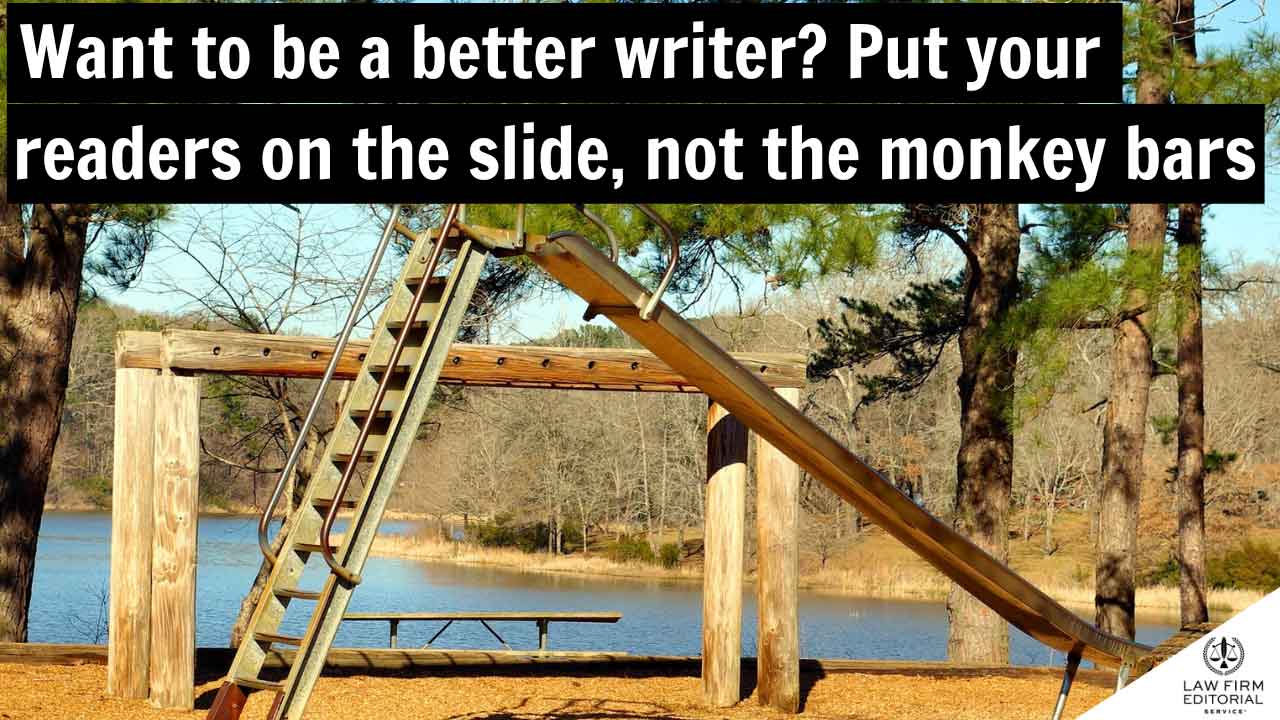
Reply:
x=622, y=473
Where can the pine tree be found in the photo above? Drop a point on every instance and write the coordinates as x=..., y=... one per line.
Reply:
x=913, y=331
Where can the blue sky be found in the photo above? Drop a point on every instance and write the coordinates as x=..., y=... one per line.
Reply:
x=1246, y=232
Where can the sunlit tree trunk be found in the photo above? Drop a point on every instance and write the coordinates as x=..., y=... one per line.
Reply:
x=1193, y=586
x=39, y=293
x=1125, y=430
x=984, y=463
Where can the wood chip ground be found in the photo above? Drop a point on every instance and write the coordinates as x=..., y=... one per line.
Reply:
x=46, y=692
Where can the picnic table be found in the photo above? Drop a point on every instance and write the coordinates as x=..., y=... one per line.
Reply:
x=543, y=620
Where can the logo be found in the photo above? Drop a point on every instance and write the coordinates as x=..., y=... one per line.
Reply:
x=1224, y=655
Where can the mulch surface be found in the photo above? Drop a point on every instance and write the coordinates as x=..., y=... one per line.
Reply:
x=51, y=692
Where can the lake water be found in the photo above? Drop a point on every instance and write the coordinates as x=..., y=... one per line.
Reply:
x=658, y=617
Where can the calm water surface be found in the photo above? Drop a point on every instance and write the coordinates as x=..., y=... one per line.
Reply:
x=658, y=617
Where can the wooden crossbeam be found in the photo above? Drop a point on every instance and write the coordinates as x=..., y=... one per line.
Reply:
x=235, y=353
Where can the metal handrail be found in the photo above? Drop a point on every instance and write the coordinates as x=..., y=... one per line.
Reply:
x=264, y=522
x=604, y=227
x=451, y=216
x=647, y=312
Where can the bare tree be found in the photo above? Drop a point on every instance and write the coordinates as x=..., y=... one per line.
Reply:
x=270, y=270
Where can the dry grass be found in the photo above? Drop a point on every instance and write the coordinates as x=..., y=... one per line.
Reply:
x=876, y=567
x=428, y=548
x=31, y=692
x=1159, y=597
x=883, y=580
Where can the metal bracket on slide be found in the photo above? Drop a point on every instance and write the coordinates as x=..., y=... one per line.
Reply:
x=1073, y=664
x=604, y=227
x=651, y=304
x=647, y=312
x=1122, y=677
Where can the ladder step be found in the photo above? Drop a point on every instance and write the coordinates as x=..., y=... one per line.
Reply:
x=390, y=404
x=414, y=277
x=408, y=357
x=297, y=594
x=420, y=322
x=392, y=431
x=312, y=547
x=258, y=684
x=372, y=445
x=326, y=503
x=269, y=637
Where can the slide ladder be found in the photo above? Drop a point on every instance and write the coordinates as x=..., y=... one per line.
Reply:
x=611, y=291
x=374, y=431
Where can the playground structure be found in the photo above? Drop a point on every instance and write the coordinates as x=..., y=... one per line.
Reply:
x=392, y=379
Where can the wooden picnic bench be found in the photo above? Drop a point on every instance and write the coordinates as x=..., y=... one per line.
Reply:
x=543, y=619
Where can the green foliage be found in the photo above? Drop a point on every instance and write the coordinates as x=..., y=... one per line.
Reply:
x=503, y=531
x=587, y=336
x=913, y=331
x=1248, y=73
x=791, y=243
x=630, y=548
x=234, y=413
x=1077, y=275
x=669, y=555
x=95, y=488
x=122, y=235
x=1166, y=426
x=1251, y=566
x=1216, y=461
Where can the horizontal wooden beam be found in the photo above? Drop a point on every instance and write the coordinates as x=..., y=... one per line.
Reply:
x=235, y=353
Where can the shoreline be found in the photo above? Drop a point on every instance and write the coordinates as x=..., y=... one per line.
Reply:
x=878, y=581
x=1223, y=605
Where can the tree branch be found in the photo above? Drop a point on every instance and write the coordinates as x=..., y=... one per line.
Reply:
x=232, y=463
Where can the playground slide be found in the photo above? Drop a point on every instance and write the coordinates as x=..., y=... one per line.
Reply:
x=611, y=291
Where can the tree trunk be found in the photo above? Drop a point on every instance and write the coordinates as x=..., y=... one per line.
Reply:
x=1194, y=602
x=1125, y=430
x=1049, y=511
x=1190, y=238
x=984, y=463
x=39, y=294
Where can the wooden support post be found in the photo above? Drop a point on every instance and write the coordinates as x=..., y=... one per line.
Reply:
x=777, y=533
x=129, y=623
x=173, y=560
x=722, y=574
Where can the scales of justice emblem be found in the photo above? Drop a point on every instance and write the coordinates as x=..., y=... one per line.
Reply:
x=1224, y=655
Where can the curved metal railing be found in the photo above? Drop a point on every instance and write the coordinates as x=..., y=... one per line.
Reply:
x=344, y=336
x=326, y=549
x=646, y=313
x=604, y=227
x=450, y=219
